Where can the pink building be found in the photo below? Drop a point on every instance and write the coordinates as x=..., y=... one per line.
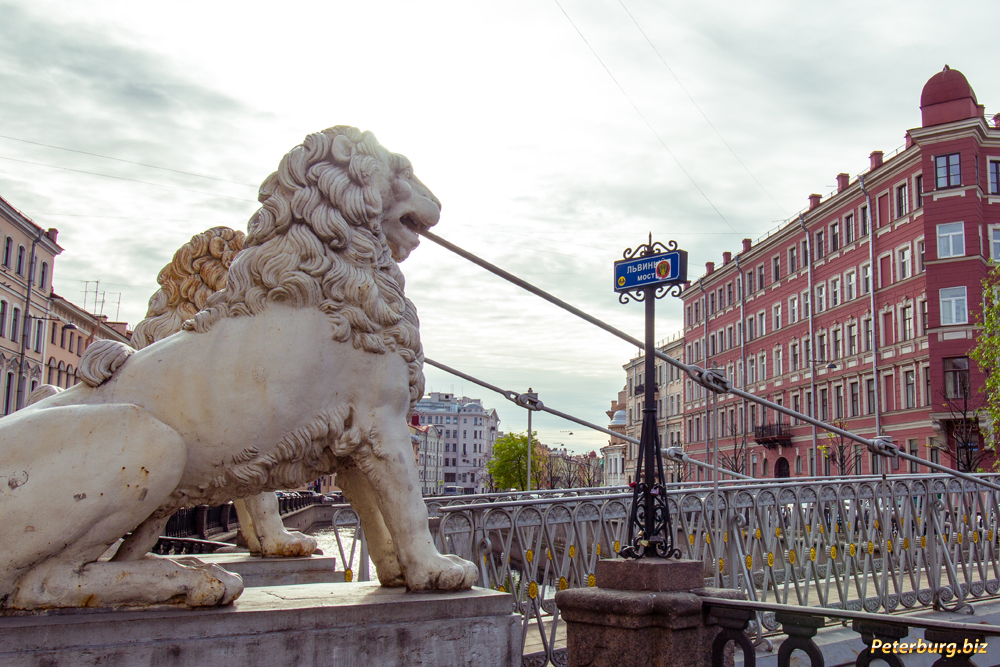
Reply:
x=862, y=312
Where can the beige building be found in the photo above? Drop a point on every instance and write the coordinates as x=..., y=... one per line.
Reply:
x=71, y=329
x=27, y=258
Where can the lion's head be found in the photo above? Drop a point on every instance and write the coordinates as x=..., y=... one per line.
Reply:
x=336, y=216
x=196, y=272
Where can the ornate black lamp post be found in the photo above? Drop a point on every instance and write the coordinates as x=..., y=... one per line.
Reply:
x=650, y=272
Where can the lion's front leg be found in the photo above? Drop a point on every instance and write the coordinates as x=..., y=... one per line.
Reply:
x=260, y=519
x=392, y=474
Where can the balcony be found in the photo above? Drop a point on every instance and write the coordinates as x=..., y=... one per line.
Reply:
x=772, y=436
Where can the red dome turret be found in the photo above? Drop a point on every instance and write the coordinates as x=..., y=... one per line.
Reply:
x=947, y=97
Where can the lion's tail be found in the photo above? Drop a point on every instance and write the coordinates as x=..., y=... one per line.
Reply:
x=101, y=359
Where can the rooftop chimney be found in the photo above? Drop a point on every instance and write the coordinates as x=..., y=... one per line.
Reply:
x=709, y=268
x=876, y=159
x=728, y=256
x=415, y=419
x=996, y=120
x=746, y=244
x=52, y=233
x=842, y=181
x=814, y=200
x=909, y=140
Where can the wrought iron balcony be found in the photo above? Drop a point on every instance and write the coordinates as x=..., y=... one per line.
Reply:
x=771, y=436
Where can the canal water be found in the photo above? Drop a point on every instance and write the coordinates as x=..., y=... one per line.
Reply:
x=327, y=539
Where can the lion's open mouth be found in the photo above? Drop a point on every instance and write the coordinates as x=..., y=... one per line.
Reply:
x=410, y=223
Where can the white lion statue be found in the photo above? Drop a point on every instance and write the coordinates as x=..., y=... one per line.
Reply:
x=308, y=363
x=197, y=271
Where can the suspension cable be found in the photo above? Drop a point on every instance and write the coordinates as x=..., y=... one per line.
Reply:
x=534, y=404
x=711, y=379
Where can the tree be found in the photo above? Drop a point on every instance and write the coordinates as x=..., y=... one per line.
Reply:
x=965, y=446
x=987, y=355
x=839, y=451
x=736, y=460
x=592, y=470
x=508, y=467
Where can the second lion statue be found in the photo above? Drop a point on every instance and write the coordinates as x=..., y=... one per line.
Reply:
x=307, y=363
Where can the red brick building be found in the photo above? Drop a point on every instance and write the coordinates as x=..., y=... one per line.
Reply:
x=862, y=311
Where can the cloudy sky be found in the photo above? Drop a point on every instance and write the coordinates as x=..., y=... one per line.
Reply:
x=556, y=133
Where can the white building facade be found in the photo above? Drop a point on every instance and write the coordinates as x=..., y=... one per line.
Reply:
x=468, y=432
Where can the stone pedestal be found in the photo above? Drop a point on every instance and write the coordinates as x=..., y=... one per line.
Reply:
x=316, y=625
x=258, y=571
x=642, y=612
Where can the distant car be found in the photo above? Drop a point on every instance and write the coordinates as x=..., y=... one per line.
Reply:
x=451, y=491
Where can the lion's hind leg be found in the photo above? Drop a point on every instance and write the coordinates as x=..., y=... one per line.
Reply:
x=361, y=494
x=91, y=474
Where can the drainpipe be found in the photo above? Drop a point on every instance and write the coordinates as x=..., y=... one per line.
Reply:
x=743, y=339
x=22, y=381
x=704, y=345
x=871, y=294
x=812, y=339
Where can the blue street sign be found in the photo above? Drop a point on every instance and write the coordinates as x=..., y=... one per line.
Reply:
x=667, y=268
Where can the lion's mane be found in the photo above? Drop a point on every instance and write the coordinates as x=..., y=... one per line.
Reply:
x=196, y=272
x=317, y=241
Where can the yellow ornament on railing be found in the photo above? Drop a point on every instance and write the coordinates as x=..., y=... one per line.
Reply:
x=563, y=584
x=529, y=555
x=532, y=590
x=348, y=575
x=591, y=580
x=749, y=562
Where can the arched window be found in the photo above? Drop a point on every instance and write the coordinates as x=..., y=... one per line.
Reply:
x=44, y=279
x=3, y=318
x=69, y=377
x=70, y=341
x=8, y=249
x=20, y=260
x=52, y=370
x=59, y=374
x=54, y=325
x=15, y=325
x=39, y=334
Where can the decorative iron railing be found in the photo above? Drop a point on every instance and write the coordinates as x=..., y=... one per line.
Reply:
x=853, y=543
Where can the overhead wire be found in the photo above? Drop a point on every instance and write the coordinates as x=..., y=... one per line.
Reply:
x=118, y=159
x=124, y=178
x=698, y=107
x=646, y=121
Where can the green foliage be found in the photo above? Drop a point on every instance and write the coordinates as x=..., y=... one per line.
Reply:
x=509, y=465
x=987, y=350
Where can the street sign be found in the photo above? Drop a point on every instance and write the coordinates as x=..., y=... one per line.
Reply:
x=667, y=268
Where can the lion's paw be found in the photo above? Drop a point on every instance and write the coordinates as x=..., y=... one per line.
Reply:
x=443, y=573
x=214, y=587
x=287, y=544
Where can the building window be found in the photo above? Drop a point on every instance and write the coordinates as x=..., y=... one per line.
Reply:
x=8, y=249
x=776, y=311
x=44, y=280
x=865, y=221
x=848, y=229
x=951, y=239
x=903, y=257
x=914, y=466
x=793, y=309
x=866, y=331
x=835, y=237
x=794, y=350
x=15, y=325
x=852, y=339
x=20, y=260
x=838, y=401
x=907, y=322
x=729, y=294
x=855, y=400
x=995, y=244
x=3, y=318
x=921, y=248
x=910, y=386
x=948, y=170
x=760, y=277
x=994, y=169
x=835, y=292
x=39, y=334
x=775, y=269
x=956, y=377
x=820, y=245
x=849, y=286
x=902, y=201
x=778, y=369
x=953, y=306
x=870, y=391
x=820, y=298
x=919, y=189
x=835, y=344
x=793, y=260
x=866, y=278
